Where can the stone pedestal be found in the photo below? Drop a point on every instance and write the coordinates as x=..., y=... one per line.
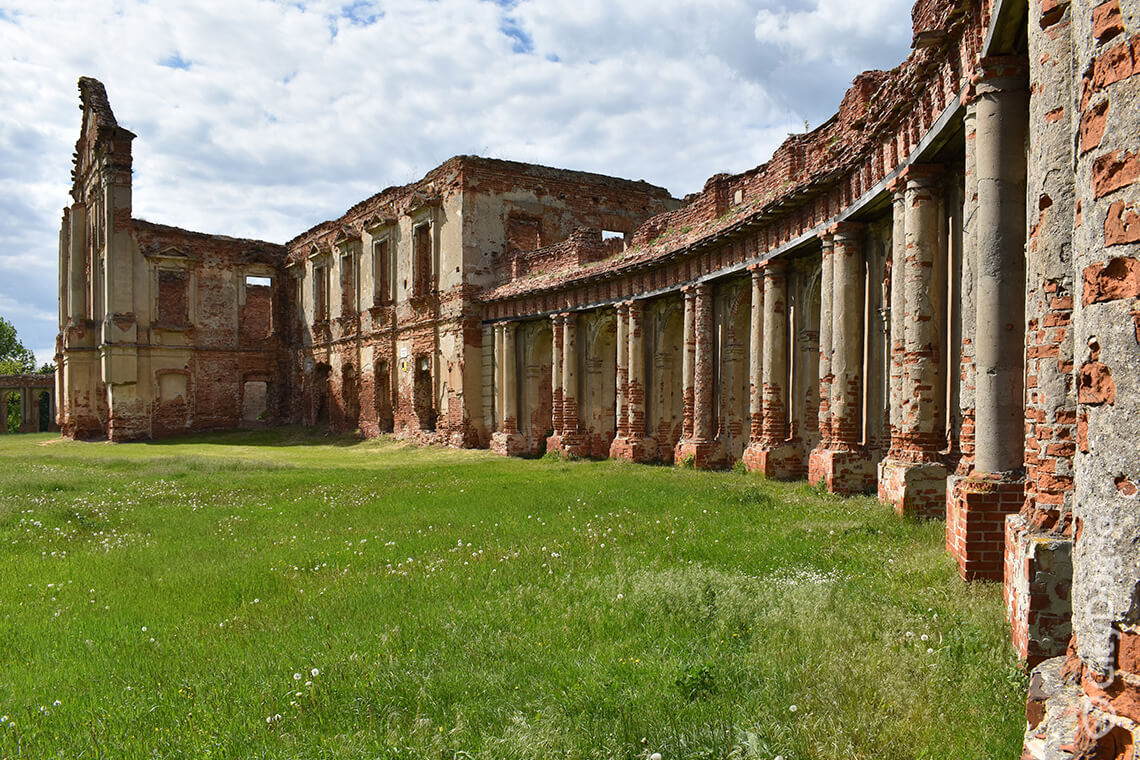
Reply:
x=841, y=472
x=914, y=489
x=508, y=444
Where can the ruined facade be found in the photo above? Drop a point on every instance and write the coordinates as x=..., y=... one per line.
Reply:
x=934, y=296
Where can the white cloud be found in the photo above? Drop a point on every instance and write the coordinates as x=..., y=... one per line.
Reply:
x=259, y=118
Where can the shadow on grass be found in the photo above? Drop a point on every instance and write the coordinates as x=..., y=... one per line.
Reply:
x=284, y=436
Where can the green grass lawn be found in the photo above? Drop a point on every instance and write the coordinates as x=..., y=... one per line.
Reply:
x=281, y=595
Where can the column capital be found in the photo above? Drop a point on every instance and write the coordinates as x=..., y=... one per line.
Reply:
x=755, y=269
x=773, y=267
x=701, y=290
x=922, y=174
x=999, y=72
x=844, y=230
x=827, y=240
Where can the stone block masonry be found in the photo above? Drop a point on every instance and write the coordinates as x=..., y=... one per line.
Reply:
x=952, y=261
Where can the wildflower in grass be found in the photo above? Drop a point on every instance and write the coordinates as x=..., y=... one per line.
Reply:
x=56, y=703
x=792, y=708
x=296, y=676
x=924, y=637
x=314, y=672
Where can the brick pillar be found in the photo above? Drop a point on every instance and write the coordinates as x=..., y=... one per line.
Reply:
x=913, y=477
x=841, y=463
x=554, y=442
x=977, y=507
x=773, y=454
x=699, y=450
x=825, y=347
x=507, y=440
x=1087, y=704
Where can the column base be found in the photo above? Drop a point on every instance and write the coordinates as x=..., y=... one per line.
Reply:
x=841, y=471
x=784, y=462
x=1038, y=581
x=634, y=449
x=568, y=445
x=508, y=444
x=1069, y=718
x=914, y=489
x=701, y=455
x=976, y=506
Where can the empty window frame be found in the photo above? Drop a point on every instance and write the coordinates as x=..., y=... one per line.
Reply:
x=256, y=321
x=320, y=292
x=382, y=270
x=173, y=298
x=421, y=260
x=348, y=278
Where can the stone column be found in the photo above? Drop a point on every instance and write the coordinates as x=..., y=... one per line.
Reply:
x=642, y=442
x=572, y=439
x=500, y=379
x=700, y=449
x=996, y=487
x=556, y=375
x=510, y=380
x=507, y=440
x=773, y=455
x=969, y=311
x=898, y=313
x=688, y=360
x=825, y=348
x=840, y=462
x=913, y=478
x=755, y=359
x=848, y=289
x=621, y=399
x=703, y=423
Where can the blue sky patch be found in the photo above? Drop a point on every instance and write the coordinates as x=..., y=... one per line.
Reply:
x=522, y=42
x=175, y=61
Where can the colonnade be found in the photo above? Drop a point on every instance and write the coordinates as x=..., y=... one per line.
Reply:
x=29, y=396
x=918, y=385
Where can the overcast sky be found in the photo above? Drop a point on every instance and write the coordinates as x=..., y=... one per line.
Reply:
x=259, y=119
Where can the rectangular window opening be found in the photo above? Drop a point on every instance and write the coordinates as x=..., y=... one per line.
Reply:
x=422, y=262
x=381, y=273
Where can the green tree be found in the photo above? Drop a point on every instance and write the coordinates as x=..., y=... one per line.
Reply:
x=15, y=359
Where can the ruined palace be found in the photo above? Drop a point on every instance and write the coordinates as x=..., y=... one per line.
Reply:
x=935, y=296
